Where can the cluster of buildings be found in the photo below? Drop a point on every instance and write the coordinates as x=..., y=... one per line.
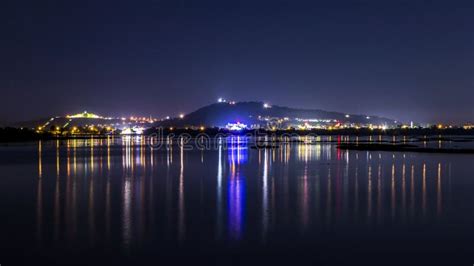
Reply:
x=89, y=123
x=298, y=123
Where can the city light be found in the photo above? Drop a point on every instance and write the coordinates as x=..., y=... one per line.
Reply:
x=132, y=131
x=138, y=130
x=236, y=126
x=75, y=124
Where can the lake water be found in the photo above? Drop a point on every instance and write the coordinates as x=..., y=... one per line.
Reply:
x=118, y=201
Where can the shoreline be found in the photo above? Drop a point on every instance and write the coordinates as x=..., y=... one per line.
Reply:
x=10, y=135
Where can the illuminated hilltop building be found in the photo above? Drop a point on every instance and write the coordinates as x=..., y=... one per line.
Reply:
x=84, y=114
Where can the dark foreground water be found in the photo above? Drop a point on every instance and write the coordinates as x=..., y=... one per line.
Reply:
x=109, y=202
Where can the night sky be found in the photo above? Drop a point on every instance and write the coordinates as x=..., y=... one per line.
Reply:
x=407, y=60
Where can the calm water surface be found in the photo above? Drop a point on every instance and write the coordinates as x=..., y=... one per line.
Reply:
x=118, y=201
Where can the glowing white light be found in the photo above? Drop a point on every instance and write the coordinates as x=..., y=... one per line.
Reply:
x=266, y=105
x=138, y=130
x=126, y=131
x=181, y=116
x=368, y=117
x=347, y=116
x=220, y=100
x=236, y=126
x=132, y=131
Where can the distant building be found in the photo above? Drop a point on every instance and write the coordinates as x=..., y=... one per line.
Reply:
x=236, y=126
x=84, y=114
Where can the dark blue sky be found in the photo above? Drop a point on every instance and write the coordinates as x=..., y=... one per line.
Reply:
x=409, y=60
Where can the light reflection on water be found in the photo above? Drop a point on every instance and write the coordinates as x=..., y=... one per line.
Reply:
x=122, y=192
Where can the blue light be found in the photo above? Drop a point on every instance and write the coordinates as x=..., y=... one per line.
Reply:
x=237, y=150
x=236, y=204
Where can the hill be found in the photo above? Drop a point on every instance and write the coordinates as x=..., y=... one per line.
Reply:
x=258, y=113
